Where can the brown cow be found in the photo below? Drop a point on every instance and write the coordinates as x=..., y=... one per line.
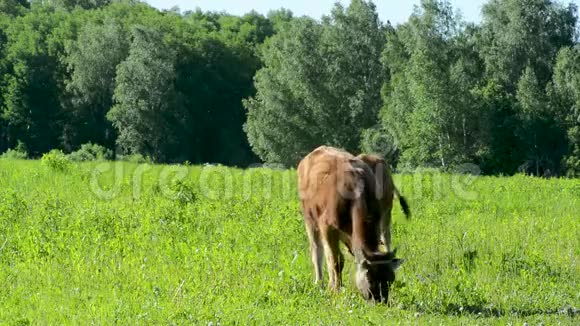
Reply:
x=344, y=199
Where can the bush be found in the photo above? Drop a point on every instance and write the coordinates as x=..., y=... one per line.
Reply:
x=91, y=152
x=18, y=153
x=56, y=160
x=13, y=154
x=184, y=192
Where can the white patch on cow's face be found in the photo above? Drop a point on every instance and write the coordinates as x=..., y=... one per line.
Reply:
x=373, y=278
x=362, y=279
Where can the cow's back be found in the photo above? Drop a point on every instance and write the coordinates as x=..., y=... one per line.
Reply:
x=328, y=178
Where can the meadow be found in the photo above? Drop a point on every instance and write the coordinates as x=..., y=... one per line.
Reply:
x=128, y=243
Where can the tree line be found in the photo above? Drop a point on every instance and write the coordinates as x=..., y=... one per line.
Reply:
x=129, y=77
x=195, y=86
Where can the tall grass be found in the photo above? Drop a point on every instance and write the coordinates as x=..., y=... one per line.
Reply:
x=125, y=243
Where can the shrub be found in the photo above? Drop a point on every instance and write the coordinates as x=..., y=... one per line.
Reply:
x=91, y=152
x=18, y=153
x=56, y=160
x=13, y=154
x=184, y=193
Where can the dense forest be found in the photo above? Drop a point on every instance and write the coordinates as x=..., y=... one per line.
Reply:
x=195, y=86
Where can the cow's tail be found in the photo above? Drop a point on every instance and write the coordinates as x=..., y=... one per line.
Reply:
x=403, y=203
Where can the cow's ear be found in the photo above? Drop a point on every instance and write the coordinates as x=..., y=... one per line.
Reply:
x=396, y=263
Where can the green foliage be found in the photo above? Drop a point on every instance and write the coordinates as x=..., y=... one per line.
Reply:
x=56, y=160
x=202, y=87
x=507, y=256
x=92, y=60
x=31, y=106
x=91, y=152
x=281, y=125
x=320, y=84
x=13, y=7
x=542, y=137
x=519, y=33
x=519, y=42
x=14, y=154
x=72, y=4
x=428, y=105
x=146, y=114
x=184, y=192
x=280, y=18
x=381, y=142
x=17, y=153
x=441, y=110
x=497, y=152
x=572, y=160
x=215, y=73
x=565, y=100
x=60, y=69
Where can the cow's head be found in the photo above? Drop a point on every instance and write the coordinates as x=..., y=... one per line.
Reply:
x=375, y=274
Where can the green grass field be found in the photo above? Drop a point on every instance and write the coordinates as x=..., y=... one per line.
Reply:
x=104, y=243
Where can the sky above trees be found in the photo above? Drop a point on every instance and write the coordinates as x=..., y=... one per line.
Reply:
x=396, y=11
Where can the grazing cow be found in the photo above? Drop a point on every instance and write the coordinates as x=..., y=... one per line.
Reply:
x=346, y=198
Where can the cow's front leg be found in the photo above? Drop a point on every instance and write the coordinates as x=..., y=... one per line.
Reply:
x=386, y=237
x=385, y=230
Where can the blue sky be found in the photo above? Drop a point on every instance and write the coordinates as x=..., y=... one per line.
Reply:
x=397, y=11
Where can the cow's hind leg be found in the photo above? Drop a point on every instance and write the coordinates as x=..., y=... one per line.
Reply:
x=334, y=258
x=316, y=252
